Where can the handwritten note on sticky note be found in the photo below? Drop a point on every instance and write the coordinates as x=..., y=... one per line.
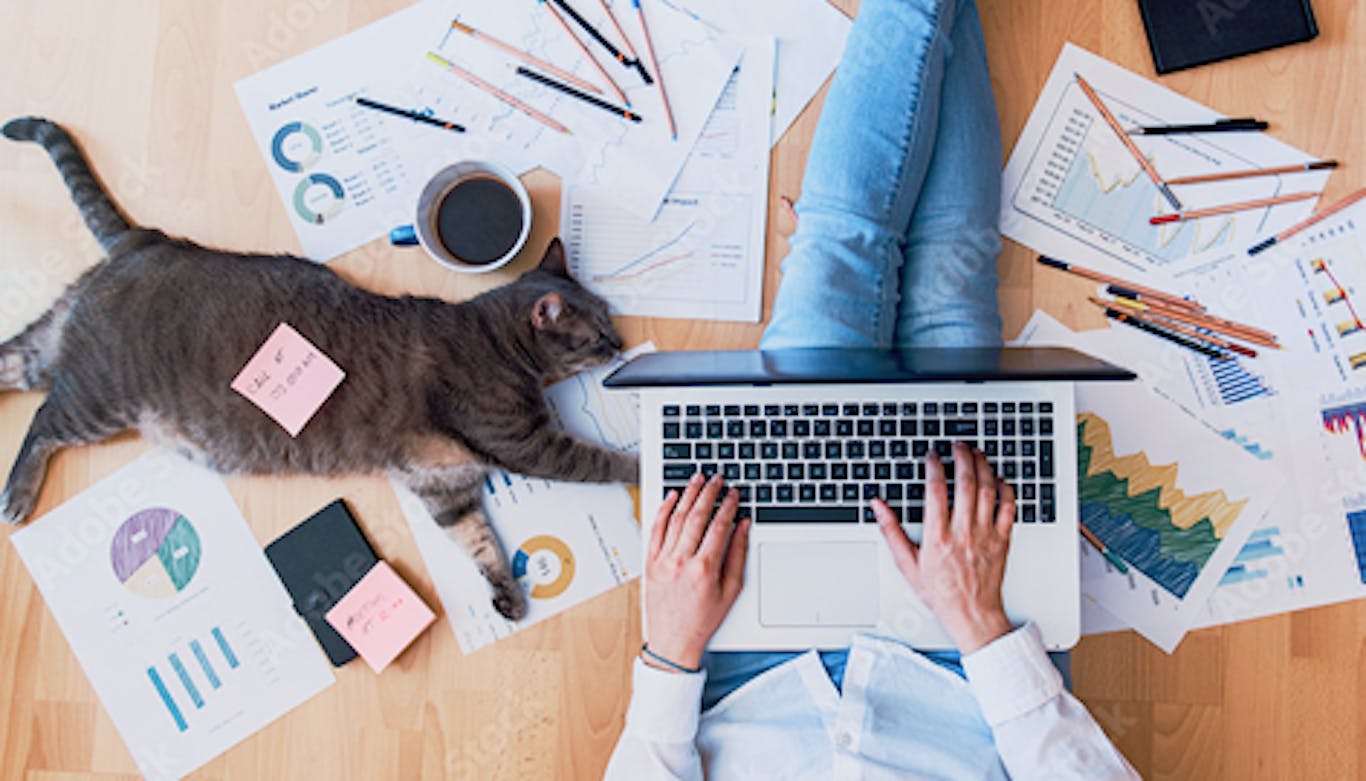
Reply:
x=380, y=616
x=289, y=379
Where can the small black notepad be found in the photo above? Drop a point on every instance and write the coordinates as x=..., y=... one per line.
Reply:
x=319, y=561
x=1186, y=33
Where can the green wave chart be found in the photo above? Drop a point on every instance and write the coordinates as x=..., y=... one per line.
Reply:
x=155, y=553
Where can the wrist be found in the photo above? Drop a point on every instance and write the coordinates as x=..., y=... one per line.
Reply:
x=684, y=663
x=973, y=632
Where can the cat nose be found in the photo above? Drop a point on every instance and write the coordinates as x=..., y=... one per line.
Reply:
x=615, y=341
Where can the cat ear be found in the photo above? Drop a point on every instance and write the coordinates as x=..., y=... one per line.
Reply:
x=546, y=311
x=554, y=260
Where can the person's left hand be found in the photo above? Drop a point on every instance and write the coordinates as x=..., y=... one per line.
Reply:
x=694, y=568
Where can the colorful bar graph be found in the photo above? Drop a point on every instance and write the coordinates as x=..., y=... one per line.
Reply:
x=1234, y=382
x=225, y=648
x=160, y=686
x=1348, y=418
x=184, y=676
x=1356, y=525
x=204, y=664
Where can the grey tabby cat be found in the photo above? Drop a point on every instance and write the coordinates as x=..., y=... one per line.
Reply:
x=436, y=394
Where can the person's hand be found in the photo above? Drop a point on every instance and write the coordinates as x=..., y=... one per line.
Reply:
x=960, y=562
x=694, y=568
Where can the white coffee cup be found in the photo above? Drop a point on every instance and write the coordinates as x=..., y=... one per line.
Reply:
x=462, y=211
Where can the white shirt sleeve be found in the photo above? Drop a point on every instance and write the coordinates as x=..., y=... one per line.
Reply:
x=659, y=741
x=1041, y=730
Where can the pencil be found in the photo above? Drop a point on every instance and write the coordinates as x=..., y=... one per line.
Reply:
x=1199, y=319
x=568, y=90
x=1229, y=208
x=593, y=32
x=654, y=66
x=1104, y=551
x=1135, y=321
x=1317, y=165
x=407, y=114
x=1219, y=126
x=1128, y=142
x=1173, y=300
x=1176, y=325
x=612, y=85
x=497, y=93
x=1313, y=218
x=529, y=59
x=626, y=43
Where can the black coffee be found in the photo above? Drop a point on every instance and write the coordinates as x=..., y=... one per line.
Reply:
x=479, y=220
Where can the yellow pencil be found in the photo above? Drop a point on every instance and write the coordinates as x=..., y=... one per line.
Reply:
x=497, y=93
x=525, y=57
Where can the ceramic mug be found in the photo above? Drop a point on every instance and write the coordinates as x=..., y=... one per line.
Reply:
x=472, y=217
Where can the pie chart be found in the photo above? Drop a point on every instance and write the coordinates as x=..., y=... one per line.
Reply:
x=546, y=564
x=155, y=553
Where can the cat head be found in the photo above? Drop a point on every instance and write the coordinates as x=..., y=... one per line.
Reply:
x=571, y=326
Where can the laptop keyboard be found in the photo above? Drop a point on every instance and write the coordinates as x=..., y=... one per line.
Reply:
x=826, y=462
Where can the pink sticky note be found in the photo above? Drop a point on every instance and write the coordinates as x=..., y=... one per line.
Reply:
x=289, y=379
x=380, y=616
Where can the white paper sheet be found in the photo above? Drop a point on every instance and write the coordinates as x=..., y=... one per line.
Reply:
x=703, y=255
x=568, y=542
x=348, y=174
x=173, y=611
x=1072, y=190
x=810, y=35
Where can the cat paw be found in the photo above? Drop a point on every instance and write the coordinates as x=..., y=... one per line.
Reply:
x=510, y=601
x=12, y=510
x=626, y=469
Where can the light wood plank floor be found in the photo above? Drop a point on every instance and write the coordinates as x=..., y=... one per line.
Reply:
x=146, y=86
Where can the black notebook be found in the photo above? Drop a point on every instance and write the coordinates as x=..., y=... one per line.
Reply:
x=319, y=561
x=1186, y=33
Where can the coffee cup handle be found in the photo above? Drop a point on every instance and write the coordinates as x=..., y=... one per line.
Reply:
x=403, y=236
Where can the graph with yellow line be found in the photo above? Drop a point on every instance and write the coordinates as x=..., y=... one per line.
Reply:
x=1139, y=511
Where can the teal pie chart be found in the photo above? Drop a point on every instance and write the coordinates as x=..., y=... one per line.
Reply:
x=155, y=553
x=319, y=198
x=296, y=147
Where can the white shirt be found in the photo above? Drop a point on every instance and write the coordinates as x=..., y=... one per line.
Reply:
x=899, y=716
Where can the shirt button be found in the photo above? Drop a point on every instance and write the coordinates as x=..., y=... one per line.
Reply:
x=844, y=740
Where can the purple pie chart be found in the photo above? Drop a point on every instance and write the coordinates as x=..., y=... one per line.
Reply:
x=155, y=553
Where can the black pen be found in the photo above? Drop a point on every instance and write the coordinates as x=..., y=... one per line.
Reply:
x=1238, y=124
x=574, y=93
x=413, y=115
x=612, y=50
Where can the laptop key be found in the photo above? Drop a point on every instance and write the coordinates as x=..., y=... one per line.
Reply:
x=870, y=409
x=865, y=428
x=763, y=493
x=806, y=492
x=861, y=471
x=725, y=450
x=816, y=471
x=790, y=451
x=791, y=410
x=960, y=428
x=1045, y=427
x=770, y=410
x=746, y=450
x=834, y=450
x=888, y=408
x=670, y=410
x=671, y=431
x=703, y=450
x=806, y=514
x=839, y=471
x=829, y=492
x=751, y=410
x=900, y=448
x=796, y=472
x=844, y=428
x=811, y=450
x=773, y=471
x=821, y=428
x=1028, y=514
x=714, y=429
x=1047, y=512
x=693, y=430
x=849, y=492
x=758, y=428
x=877, y=449
x=732, y=411
x=855, y=449
x=909, y=408
x=969, y=408
x=713, y=410
x=730, y=471
x=830, y=410
x=785, y=493
x=694, y=410
x=679, y=471
x=753, y=471
x=905, y=471
x=892, y=492
x=708, y=469
x=1027, y=407
x=811, y=410
x=887, y=428
x=870, y=490
x=882, y=471
x=915, y=514
x=1046, y=459
x=930, y=408
x=769, y=451
x=677, y=450
x=908, y=428
x=735, y=429
x=778, y=428
x=801, y=428
x=849, y=410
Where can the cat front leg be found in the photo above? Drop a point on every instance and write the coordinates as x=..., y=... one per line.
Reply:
x=454, y=497
x=53, y=428
x=555, y=455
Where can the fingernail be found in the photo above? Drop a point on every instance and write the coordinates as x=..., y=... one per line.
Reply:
x=716, y=478
x=696, y=478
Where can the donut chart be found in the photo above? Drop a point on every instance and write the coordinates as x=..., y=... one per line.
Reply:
x=545, y=563
x=318, y=206
x=296, y=147
x=155, y=553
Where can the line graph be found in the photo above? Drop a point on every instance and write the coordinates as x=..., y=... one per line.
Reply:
x=631, y=270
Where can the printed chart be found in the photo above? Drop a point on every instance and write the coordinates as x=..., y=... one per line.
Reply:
x=1137, y=510
x=155, y=553
x=188, y=694
x=1356, y=524
x=544, y=565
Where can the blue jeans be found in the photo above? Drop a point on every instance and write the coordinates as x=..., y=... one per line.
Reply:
x=896, y=242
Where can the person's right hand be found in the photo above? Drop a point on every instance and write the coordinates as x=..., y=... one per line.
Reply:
x=960, y=562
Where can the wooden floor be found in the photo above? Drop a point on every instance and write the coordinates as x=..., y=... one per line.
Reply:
x=146, y=86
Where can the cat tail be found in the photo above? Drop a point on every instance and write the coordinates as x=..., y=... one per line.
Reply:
x=97, y=209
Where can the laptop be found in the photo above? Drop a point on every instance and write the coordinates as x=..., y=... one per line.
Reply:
x=811, y=436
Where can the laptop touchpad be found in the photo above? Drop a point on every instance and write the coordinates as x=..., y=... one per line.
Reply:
x=818, y=584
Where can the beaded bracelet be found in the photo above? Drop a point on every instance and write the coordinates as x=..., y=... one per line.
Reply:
x=645, y=649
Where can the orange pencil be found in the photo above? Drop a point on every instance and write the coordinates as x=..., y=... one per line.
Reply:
x=1228, y=208
x=1313, y=218
x=1317, y=165
x=1179, y=326
x=527, y=58
x=1128, y=142
x=497, y=93
x=654, y=66
x=1168, y=298
x=1201, y=320
x=612, y=85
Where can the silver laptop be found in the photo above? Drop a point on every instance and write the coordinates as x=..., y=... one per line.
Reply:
x=811, y=436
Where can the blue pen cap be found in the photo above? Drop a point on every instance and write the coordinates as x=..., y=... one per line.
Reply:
x=403, y=236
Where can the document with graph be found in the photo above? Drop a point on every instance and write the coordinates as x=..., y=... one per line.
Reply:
x=1174, y=501
x=567, y=542
x=180, y=623
x=702, y=256
x=1072, y=190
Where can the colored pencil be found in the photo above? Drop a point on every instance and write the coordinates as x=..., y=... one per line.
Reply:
x=1199, y=319
x=1317, y=165
x=407, y=114
x=1229, y=208
x=626, y=43
x=1313, y=218
x=612, y=85
x=1179, y=326
x=654, y=66
x=1168, y=298
x=1128, y=142
x=497, y=93
x=568, y=90
x=1104, y=551
x=1137, y=321
x=1240, y=124
x=593, y=33
x=529, y=59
